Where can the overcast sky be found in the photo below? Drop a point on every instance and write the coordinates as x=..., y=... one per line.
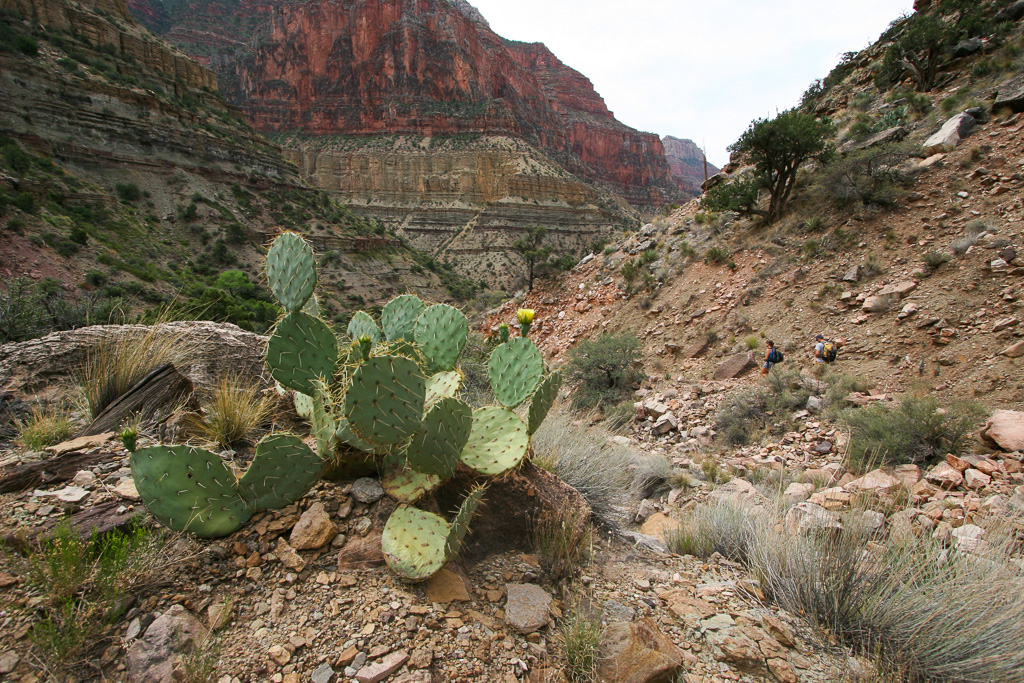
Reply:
x=699, y=70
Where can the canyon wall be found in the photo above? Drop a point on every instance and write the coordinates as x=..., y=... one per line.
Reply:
x=686, y=160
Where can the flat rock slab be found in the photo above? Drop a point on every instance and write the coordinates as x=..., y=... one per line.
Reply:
x=1005, y=430
x=80, y=444
x=735, y=366
x=950, y=135
x=447, y=586
x=1010, y=95
x=527, y=607
x=378, y=671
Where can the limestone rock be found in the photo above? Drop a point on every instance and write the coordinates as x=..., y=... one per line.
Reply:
x=874, y=481
x=637, y=652
x=1014, y=350
x=314, y=529
x=797, y=493
x=526, y=607
x=737, y=491
x=1005, y=430
x=378, y=671
x=736, y=366
x=659, y=525
x=949, y=136
x=151, y=659
x=1010, y=95
x=976, y=479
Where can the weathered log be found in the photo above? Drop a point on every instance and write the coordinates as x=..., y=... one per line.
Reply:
x=161, y=389
x=50, y=471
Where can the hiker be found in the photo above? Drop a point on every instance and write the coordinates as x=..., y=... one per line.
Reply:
x=825, y=351
x=771, y=357
x=819, y=349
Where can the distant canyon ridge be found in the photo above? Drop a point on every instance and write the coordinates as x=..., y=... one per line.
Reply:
x=415, y=113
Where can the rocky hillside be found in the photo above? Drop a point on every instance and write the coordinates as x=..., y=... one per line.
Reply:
x=459, y=130
x=687, y=163
x=127, y=180
x=916, y=267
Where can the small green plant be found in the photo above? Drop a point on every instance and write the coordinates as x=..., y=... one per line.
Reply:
x=199, y=665
x=934, y=259
x=752, y=342
x=716, y=256
x=580, y=635
x=45, y=427
x=128, y=192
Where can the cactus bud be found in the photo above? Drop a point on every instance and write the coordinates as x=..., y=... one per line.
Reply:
x=503, y=332
x=525, y=317
x=130, y=437
x=365, y=345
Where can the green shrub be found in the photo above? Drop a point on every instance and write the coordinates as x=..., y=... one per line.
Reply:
x=604, y=370
x=716, y=256
x=25, y=202
x=26, y=45
x=916, y=431
x=128, y=192
x=868, y=176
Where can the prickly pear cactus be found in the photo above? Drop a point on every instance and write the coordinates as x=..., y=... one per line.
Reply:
x=191, y=489
x=386, y=395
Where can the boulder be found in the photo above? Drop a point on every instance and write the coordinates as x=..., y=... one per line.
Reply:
x=152, y=658
x=526, y=607
x=637, y=652
x=874, y=481
x=807, y=517
x=1005, y=430
x=898, y=290
x=852, y=275
x=797, y=493
x=876, y=304
x=1012, y=13
x=1014, y=350
x=665, y=424
x=736, y=366
x=738, y=491
x=967, y=48
x=1010, y=95
x=367, y=490
x=976, y=479
x=950, y=135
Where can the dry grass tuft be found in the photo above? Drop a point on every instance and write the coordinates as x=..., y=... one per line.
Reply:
x=561, y=553
x=235, y=411
x=580, y=636
x=115, y=366
x=582, y=456
x=46, y=427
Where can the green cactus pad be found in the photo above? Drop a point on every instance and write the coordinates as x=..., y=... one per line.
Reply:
x=441, y=333
x=362, y=324
x=291, y=271
x=344, y=434
x=515, y=368
x=497, y=443
x=399, y=317
x=543, y=399
x=414, y=543
x=322, y=421
x=442, y=385
x=460, y=525
x=189, y=489
x=384, y=402
x=436, y=447
x=301, y=350
x=303, y=405
x=408, y=486
x=282, y=471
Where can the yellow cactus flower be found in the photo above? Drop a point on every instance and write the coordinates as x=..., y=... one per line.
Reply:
x=525, y=315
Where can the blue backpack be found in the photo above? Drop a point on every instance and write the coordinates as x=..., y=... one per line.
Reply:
x=775, y=356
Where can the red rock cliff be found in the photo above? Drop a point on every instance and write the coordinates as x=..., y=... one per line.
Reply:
x=686, y=160
x=422, y=67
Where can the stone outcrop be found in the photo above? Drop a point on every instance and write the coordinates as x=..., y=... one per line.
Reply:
x=686, y=161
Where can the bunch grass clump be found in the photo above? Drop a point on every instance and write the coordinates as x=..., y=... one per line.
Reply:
x=580, y=637
x=45, y=427
x=116, y=365
x=237, y=409
x=582, y=456
x=557, y=542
